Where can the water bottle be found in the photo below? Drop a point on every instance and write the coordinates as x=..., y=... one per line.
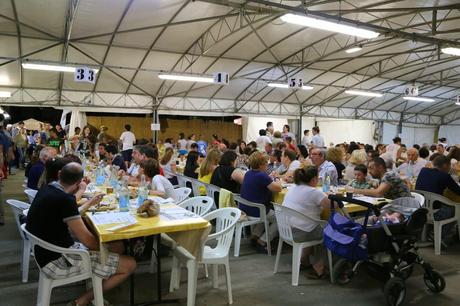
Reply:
x=326, y=183
x=142, y=191
x=113, y=178
x=100, y=177
x=123, y=196
x=410, y=171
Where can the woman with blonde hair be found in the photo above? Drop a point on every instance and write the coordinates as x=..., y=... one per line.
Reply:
x=169, y=166
x=207, y=168
x=358, y=157
x=335, y=155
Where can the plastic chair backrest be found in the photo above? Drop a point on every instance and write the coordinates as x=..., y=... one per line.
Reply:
x=196, y=186
x=211, y=190
x=284, y=216
x=181, y=179
x=261, y=207
x=430, y=198
x=83, y=254
x=198, y=205
x=420, y=198
x=18, y=207
x=226, y=219
x=181, y=194
x=31, y=193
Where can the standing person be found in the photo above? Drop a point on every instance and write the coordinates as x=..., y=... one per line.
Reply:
x=77, y=131
x=202, y=146
x=262, y=140
x=102, y=136
x=21, y=144
x=270, y=129
x=7, y=145
x=3, y=150
x=53, y=216
x=393, y=149
x=306, y=138
x=287, y=133
x=182, y=144
x=127, y=139
x=31, y=144
x=45, y=133
x=87, y=142
x=60, y=132
x=54, y=141
x=191, y=140
x=317, y=141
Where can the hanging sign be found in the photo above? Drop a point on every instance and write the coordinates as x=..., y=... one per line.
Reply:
x=295, y=83
x=411, y=91
x=221, y=78
x=85, y=74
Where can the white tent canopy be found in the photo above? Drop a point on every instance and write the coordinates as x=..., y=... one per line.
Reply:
x=132, y=41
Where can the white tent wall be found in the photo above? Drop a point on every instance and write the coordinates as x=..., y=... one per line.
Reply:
x=350, y=130
x=410, y=134
x=451, y=132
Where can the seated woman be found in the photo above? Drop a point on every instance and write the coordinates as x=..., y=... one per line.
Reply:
x=257, y=187
x=207, y=168
x=226, y=175
x=358, y=157
x=191, y=165
x=360, y=180
x=158, y=184
x=335, y=156
x=306, y=199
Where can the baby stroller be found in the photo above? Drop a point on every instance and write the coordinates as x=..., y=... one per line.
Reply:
x=387, y=251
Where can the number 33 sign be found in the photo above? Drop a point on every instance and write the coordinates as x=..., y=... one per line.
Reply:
x=84, y=74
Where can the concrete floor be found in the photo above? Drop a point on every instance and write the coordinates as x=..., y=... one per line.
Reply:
x=252, y=275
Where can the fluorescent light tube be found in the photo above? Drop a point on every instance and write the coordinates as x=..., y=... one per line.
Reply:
x=328, y=26
x=186, y=78
x=353, y=49
x=50, y=67
x=364, y=93
x=420, y=99
x=283, y=85
x=5, y=94
x=451, y=51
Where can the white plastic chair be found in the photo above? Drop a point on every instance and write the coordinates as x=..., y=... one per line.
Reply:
x=251, y=221
x=18, y=207
x=181, y=194
x=31, y=193
x=226, y=219
x=284, y=216
x=430, y=198
x=199, y=205
x=196, y=186
x=46, y=284
x=420, y=198
x=184, y=181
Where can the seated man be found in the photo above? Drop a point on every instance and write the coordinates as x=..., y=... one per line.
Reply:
x=360, y=180
x=411, y=168
x=318, y=158
x=290, y=164
x=437, y=180
x=115, y=158
x=391, y=185
x=140, y=153
x=37, y=169
x=52, y=216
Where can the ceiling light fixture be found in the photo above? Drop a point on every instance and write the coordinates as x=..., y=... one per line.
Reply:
x=283, y=85
x=186, y=78
x=451, y=51
x=353, y=49
x=328, y=26
x=420, y=99
x=51, y=67
x=364, y=93
x=5, y=94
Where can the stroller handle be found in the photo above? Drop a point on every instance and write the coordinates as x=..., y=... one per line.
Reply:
x=341, y=199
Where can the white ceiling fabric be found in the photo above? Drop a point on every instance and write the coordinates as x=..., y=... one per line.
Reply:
x=131, y=41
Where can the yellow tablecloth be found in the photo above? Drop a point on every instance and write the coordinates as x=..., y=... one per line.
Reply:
x=452, y=196
x=189, y=233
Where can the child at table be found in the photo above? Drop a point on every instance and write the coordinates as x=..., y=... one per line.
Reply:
x=360, y=180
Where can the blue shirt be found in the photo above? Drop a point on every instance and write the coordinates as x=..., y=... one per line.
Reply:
x=435, y=181
x=254, y=189
x=34, y=175
x=5, y=142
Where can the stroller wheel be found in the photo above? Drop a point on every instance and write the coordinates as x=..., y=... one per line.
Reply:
x=342, y=272
x=434, y=282
x=394, y=291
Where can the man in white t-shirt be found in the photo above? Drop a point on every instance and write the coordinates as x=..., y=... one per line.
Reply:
x=182, y=144
x=317, y=141
x=289, y=162
x=127, y=139
x=306, y=139
x=262, y=140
